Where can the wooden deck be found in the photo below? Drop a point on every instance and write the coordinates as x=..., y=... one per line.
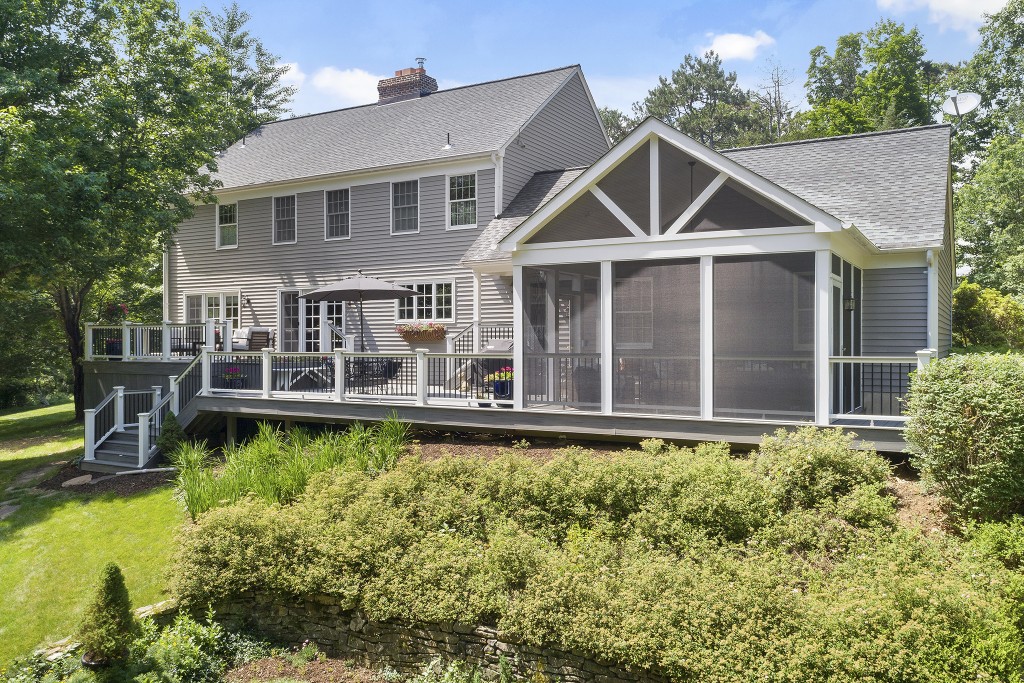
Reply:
x=571, y=423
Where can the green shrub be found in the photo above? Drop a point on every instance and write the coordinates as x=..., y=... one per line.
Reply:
x=189, y=652
x=171, y=435
x=1003, y=542
x=109, y=626
x=811, y=467
x=985, y=317
x=966, y=433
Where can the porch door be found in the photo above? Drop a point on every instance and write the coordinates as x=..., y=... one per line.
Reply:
x=310, y=333
x=289, y=321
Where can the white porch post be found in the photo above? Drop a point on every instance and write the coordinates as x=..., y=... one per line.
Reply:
x=707, y=340
x=157, y=394
x=165, y=340
x=211, y=336
x=551, y=330
x=207, y=369
x=607, y=376
x=350, y=342
x=924, y=358
x=89, y=332
x=172, y=383
x=126, y=341
x=267, y=370
x=229, y=331
x=339, y=375
x=421, y=377
x=119, y=409
x=655, y=188
x=449, y=342
x=90, y=433
x=143, y=439
x=519, y=338
x=477, y=346
x=822, y=333
x=325, y=331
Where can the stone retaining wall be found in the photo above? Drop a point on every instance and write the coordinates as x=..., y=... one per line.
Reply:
x=408, y=648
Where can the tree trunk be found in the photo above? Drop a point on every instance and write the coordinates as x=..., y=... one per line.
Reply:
x=70, y=304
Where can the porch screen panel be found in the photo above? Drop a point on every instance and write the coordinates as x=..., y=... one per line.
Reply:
x=562, y=328
x=656, y=337
x=763, y=369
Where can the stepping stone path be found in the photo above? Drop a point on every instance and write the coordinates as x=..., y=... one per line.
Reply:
x=7, y=510
x=28, y=476
x=78, y=481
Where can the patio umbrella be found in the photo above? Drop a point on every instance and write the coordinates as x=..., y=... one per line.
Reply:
x=359, y=288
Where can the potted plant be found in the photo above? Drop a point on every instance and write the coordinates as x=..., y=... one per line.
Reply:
x=233, y=378
x=421, y=332
x=109, y=625
x=502, y=382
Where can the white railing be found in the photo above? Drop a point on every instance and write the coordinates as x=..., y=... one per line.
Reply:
x=150, y=424
x=475, y=336
x=871, y=390
x=164, y=341
x=119, y=410
x=418, y=378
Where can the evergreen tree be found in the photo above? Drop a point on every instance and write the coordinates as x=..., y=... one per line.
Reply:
x=109, y=626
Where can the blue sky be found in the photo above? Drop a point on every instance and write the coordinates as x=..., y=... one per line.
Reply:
x=338, y=50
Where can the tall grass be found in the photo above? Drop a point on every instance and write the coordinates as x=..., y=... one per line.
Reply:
x=275, y=466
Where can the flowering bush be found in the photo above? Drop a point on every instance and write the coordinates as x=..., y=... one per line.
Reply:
x=503, y=375
x=115, y=313
x=421, y=328
x=233, y=372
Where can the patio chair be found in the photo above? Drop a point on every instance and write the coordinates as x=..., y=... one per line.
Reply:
x=260, y=338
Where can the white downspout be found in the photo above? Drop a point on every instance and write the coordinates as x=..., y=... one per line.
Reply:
x=498, y=159
x=166, y=284
x=933, y=300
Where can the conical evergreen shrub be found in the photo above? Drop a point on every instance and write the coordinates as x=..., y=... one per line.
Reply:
x=171, y=434
x=109, y=625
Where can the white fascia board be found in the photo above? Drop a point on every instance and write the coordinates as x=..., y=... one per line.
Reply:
x=695, y=237
x=502, y=267
x=637, y=250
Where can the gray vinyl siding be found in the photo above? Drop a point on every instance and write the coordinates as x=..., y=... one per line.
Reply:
x=496, y=299
x=895, y=311
x=565, y=134
x=259, y=269
x=945, y=275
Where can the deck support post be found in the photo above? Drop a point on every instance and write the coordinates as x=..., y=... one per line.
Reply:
x=421, y=377
x=339, y=375
x=207, y=369
x=90, y=433
x=267, y=367
x=89, y=333
x=607, y=377
x=165, y=340
x=231, y=430
x=119, y=409
x=172, y=383
x=126, y=341
x=822, y=336
x=143, y=439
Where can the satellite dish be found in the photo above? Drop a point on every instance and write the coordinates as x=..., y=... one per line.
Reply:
x=962, y=103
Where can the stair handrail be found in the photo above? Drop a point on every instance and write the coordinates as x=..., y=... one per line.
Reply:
x=455, y=338
x=180, y=401
x=91, y=442
x=149, y=428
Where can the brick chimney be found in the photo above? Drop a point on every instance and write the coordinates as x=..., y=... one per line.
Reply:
x=406, y=85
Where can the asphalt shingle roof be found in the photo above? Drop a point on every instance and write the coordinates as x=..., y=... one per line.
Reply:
x=890, y=184
x=480, y=118
x=535, y=194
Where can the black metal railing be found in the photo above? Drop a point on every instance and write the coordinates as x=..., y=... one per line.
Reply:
x=380, y=375
x=563, y=380
x=470, y=377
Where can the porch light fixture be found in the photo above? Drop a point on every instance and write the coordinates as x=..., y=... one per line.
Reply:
x=245, y=300
x=849, y=304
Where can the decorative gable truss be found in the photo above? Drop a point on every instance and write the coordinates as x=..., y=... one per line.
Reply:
x=657, y=185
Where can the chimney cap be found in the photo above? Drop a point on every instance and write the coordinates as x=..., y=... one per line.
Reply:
x=420, y=61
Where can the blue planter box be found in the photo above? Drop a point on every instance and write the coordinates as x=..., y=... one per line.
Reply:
x=503, y=389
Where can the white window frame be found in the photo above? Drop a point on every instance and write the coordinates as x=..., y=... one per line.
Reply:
x=391, y=206
x=217, y=224
x=220, y=293
x=273, y=218
x=328, y=238
x=616, y=312
x=433, y=283
x=448, y=201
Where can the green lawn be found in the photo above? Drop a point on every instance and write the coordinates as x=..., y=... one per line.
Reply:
x=53, y=546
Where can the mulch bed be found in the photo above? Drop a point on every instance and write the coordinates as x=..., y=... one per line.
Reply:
x=124, y=484
x=319, y=671
x=434, y=445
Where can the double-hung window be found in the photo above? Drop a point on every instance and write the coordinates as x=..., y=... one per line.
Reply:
x=405, y=207
x=227, y=226
x=284, y=219
x=462, y=201
x=200, y=307
x=433, y=301
x=336, y=216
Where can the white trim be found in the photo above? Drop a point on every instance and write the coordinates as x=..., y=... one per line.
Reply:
x=652, y=127
x=273, y=218
x=607, y=359
x=405, y=282
x=391, y=207
x=349, y=235
x=680, y=239
x=448, y=201
x=216, y=226
x=617, y=212
x=203, y=293
x=697, y=204
x=822, y=336
x=165, y=294
x=933, y=299
x=518, y=352
x=655, y=182
x=707, y=339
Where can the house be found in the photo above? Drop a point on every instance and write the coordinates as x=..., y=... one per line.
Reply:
x=656, y=288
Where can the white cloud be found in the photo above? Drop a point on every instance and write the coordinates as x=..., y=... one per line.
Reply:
x=958, y=15
x=294, y=76
x=620, y=92
x=346, y=87
x=740, y=45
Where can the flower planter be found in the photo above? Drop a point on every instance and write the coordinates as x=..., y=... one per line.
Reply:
x=234, y=382
x=425, y=336
x=503, y=389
